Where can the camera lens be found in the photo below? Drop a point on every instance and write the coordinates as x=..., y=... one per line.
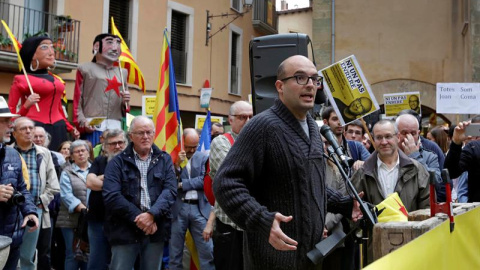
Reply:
x=18, y=198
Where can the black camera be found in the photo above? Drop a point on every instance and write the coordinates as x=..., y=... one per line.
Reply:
x=17, y=198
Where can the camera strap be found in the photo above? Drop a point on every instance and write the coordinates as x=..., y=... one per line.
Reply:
x=2, y=156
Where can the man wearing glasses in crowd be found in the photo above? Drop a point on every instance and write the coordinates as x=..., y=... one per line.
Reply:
x=389, y=170
x=228, y=237
x=271, y=184
x=409, y=142
x=44, y=184
x=139, y=190
x=114, y=142
x=354, y=131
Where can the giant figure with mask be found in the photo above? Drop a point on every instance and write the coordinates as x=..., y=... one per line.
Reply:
x=38, y=56
x=100, y=89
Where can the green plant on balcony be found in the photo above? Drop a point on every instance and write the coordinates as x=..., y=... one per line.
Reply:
x=5, y=43
x=64, y=23
x=61, y=54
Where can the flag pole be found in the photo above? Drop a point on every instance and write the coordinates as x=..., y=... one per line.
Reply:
x=127, y=106
x=29, y=85
x=19, y=59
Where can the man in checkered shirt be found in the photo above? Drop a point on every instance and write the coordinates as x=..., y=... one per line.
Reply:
x=228, y=237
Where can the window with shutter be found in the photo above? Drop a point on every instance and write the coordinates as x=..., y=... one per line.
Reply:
x=234, y=62
x=178, y=45
x=237, y=5
x=120, y=11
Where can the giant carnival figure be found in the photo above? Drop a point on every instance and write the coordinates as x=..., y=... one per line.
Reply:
x=44, y=105
x=100, y=90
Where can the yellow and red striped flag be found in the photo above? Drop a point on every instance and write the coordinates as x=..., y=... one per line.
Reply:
x=15, y=43
x=168, y=126
x=135, y=75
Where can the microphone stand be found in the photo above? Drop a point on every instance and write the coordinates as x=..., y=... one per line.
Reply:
x=325, y=247
x=366, y=211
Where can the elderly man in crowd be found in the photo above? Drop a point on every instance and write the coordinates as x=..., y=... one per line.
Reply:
x=389, y=170
x=43, y=183
x=139, y=190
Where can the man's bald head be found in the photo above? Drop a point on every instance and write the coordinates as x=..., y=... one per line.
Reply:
x=191, y=139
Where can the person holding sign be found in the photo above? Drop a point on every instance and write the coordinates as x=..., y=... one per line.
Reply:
x=100, y=92
x=38, y=56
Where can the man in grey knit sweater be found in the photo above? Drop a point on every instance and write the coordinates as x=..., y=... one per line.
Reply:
x=272, y=184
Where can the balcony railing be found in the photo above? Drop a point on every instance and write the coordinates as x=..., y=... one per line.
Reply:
x=265, y=17
x=25, y=22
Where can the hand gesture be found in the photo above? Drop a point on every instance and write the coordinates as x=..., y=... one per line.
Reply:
x=278, y=239
x=181, y=157
x=356, y=211
x=459, y=133
x=31, y=100
x=144, y=220
x=6, y=192
x=207, y=232
x=32, y=218
x=75, y=134
x=126, y=96
x=409, y=145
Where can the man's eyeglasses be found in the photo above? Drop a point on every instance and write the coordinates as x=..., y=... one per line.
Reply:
x=303, y=79
x=189, y=148
x=387, y=137
x=243, y=117
x=143, y=133
x=80, y=151
x=119, y=143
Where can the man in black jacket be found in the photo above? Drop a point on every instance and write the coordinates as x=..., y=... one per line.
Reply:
x=139, y=190
x=114, y=142
x=459, y=160
x=271, y=183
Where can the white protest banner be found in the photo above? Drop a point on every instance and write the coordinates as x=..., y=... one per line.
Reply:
x=458, y=98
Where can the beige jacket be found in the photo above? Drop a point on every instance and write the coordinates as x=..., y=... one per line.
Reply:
x=49, y=186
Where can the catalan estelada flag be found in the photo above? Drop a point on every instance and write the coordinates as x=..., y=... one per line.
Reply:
x=135, y=75
x=168, y=126
x=205, y=136
x=15, y=43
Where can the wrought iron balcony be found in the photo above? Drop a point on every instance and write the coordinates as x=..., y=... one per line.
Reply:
x=265, y=17
x=25, y=22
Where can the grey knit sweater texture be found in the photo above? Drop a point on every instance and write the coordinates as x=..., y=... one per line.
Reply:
x=275, y=167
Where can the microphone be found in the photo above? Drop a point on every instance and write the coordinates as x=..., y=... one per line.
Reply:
x=328, y=134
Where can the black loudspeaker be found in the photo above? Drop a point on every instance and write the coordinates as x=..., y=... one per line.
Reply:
x=266, y=54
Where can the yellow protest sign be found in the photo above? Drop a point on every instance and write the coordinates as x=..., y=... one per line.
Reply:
x=200, y=120
x=394, y=103
x=148, y=105
x=392, y=209
x=348, y=90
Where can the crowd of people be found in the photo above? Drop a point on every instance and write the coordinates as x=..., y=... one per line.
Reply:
x=113, y=200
